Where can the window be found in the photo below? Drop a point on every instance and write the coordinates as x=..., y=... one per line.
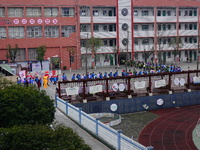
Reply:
x=164, y=27
x=96, y=28
x=145, y=41
x=186, y=13
x=67, y=30
x=186, y=26
x=195, y=26
x=190, y=26
x=72, y=59
x=159, y=27
x=16, y=32
x=186, y=40
x=105, y=42
x=136, y=41
x=195, y=39
x=179, y=13
x=145, y=27
x=51, y=31
x=21, y=55
x=105, y=28
x=105, y=12
x=164, y=41
x=112, y=42
x=164, y=12
x=169, y=26
x=33, y=12
x=112, y=27
x=32, y=54
x=179, y=27
x=135, y=13
x=50, y=12
x=145, y=13
x=159, y=13
x=84, y=11
x=190, y=13
x=67, y=12
x=136, y=27
x=2, y=32
x=34, y=32
x=83, y=43
x=15, y=12
x=168, y=54
x=190, y=39
x=195, y=13
x=168, y=13
x=85, y=28
x=2, y=12
x=95, y=12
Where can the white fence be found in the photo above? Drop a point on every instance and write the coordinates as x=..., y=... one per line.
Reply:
x=106, y=133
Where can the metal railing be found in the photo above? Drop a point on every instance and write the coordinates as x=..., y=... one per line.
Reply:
x=114, y=138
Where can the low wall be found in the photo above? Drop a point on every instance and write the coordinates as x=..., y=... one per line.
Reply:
x=142, y=103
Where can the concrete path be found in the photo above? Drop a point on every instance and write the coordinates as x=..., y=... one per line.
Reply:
x=60, y=118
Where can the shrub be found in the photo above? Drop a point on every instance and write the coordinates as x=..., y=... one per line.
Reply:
x=25, y=105
x=40, y=137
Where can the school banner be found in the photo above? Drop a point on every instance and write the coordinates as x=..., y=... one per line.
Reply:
x=22, y=74
x=140, y=84
x=160, y=83
x=72, y=90
x=95, y=89
x=196, y=79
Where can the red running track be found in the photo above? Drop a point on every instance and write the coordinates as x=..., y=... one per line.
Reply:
x=172, y=130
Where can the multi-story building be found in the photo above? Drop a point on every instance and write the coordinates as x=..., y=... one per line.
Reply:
x=129, y=29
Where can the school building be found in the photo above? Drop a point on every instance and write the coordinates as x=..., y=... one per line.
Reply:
x=129, y=29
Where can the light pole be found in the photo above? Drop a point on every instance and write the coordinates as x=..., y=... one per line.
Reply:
x=197, y=52
x=86, y=55
x=127, y=50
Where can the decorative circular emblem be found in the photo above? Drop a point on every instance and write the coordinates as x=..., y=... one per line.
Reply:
x=182, y=81
x=124, y=12
x=125, y=27
x=176, y=81
x=160, y=102
x=115, y=87
x=31, y=21
x=39, y=21
x=16, y=21
x=24, y=21
x=125, y=41
x=121, y=87
x=113, y=107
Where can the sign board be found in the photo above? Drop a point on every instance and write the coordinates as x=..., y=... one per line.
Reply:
x=72, y=90
x=160, y=83
x=140, y=84
x=95, y=89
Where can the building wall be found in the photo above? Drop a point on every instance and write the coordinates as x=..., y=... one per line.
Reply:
x=145, y=38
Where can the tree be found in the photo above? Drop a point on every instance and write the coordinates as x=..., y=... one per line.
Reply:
x=94, y=44
x=40, y=137
x=175, y=43
x=12, y=52
x=71, y=51
x=40, y=54
x=25, y=105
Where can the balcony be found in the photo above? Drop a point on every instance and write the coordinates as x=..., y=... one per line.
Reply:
x=145, y=19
